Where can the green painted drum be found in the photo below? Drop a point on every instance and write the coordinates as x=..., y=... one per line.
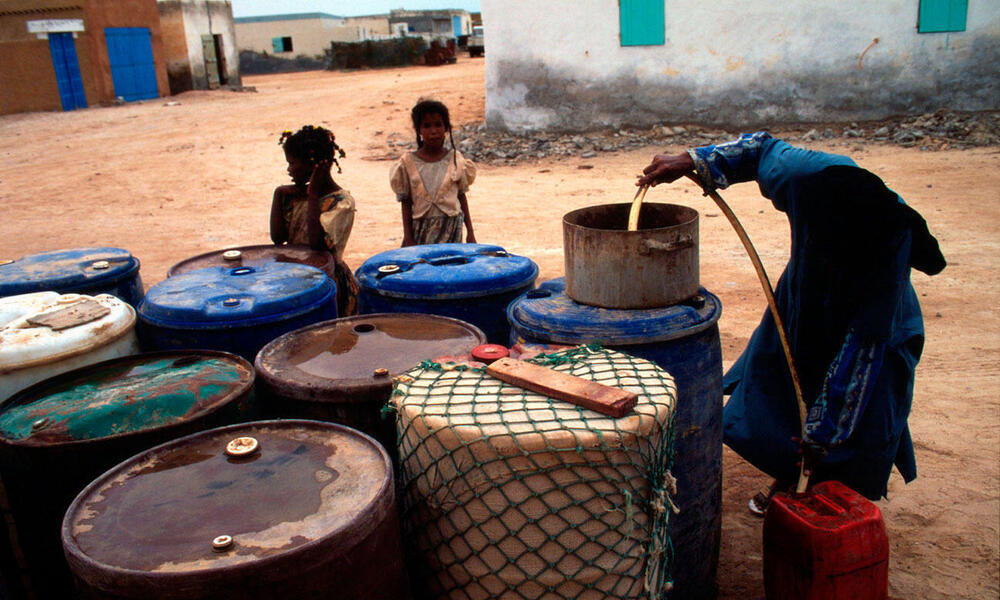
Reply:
x=75, y=426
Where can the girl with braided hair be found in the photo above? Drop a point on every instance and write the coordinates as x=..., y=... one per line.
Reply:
x=314, y=210
x=431, y=183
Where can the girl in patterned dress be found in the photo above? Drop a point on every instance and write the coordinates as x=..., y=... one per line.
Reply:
x=431, y=183
x=314, y=210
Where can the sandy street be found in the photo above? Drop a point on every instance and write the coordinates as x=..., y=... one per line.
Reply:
x=174, y=177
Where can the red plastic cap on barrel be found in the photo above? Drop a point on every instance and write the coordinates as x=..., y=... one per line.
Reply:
x=487, y=353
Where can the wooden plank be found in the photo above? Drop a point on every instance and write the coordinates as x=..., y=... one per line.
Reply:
x=79, y=313
x=607, y=400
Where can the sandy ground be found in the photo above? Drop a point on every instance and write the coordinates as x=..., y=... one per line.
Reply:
x=171, y=178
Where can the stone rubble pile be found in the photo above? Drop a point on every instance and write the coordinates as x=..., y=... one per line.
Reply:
x=932, y=131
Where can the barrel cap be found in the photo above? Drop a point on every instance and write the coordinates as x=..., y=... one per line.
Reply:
x=489, y=353
x=65, y=270
x=236, y=296
x=445, y=271
x=549, y=314
x=165, y=515
x=124, y=396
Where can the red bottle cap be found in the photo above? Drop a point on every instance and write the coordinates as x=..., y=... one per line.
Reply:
x=488, y=353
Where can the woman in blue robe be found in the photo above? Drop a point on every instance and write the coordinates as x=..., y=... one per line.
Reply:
x=852, y=318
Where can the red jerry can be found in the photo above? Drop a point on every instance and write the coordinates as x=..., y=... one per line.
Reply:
x=829, y=543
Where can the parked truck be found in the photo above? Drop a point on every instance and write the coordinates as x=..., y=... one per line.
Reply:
x=475, y=44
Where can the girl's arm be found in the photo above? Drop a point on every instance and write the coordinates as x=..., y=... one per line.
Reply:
x=463, y=202
x=320, y=184
x=407, y=208
x=279, y=235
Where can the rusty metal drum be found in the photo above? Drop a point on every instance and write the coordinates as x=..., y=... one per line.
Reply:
x=270, y=509
x=610, y=267
x=60, y=434
x=254, y=256
x=342, y=370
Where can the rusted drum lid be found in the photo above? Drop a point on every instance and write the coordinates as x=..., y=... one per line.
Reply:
x=188, y=513
x=362, y=350
x=124, y=396
x=253, y=256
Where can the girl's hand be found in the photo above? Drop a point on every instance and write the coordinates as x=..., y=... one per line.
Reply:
x=409, y=241
x=470, y=238
x=320, y=182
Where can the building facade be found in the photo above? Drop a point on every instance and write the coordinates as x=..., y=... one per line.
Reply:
x=199, y=42
x=59, y=55
x=377, y=26
x=431, y=24
x=306, y=34
x=639, y=62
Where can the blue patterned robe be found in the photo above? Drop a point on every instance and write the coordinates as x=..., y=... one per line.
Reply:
x=853, y=319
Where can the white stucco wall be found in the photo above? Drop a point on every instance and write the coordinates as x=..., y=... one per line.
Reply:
x=192, y=19
x=211, y=18
x=310, y=37
x=747, y=62
x=374, y=24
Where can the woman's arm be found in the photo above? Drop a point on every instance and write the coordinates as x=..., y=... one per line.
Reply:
x=463, y=202
x=717, y=166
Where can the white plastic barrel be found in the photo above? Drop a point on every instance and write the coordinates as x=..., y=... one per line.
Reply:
x=45, y=333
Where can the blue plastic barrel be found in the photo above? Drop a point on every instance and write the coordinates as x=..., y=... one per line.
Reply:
x=684, y=340
x=470, y=282
x=236, y=310
x=89, y=271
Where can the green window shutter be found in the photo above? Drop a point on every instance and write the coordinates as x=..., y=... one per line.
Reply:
x=942, y=15
x=642, y=22
x=277, y=44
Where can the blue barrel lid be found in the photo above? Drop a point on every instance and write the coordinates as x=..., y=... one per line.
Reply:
x=445, y=271
x=548, y=314
x=237, y=297
x=65, y=270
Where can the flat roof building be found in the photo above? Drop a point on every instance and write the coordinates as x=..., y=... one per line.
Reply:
x=60, y=55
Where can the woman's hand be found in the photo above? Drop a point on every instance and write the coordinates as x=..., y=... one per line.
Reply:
x=666, y=168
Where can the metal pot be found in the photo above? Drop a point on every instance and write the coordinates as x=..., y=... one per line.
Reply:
x=610, y=267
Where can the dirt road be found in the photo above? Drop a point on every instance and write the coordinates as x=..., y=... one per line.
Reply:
x=179, y=176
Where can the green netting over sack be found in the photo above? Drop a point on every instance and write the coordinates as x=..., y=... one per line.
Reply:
x=507, y=493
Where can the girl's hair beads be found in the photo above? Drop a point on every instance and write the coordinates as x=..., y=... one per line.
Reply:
x=312, y=144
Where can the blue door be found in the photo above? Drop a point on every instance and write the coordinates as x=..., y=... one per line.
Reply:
x=456, y=25
x=131, y=56
x=67, y=68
